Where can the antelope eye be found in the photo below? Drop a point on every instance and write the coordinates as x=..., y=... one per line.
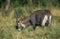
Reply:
x=18, y=21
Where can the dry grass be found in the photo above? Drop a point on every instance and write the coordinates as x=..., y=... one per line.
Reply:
x=55, y=11
x=8, y=31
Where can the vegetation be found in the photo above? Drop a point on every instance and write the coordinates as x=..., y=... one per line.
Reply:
x=8, y=9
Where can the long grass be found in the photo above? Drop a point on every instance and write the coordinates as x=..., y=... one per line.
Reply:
x=8, y=30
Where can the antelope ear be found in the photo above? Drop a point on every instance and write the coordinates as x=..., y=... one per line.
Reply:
x=20, y=19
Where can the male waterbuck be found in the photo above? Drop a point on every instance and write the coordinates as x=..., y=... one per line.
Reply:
x=39, y=17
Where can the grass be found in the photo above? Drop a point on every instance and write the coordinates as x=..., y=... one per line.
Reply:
x=8, y=30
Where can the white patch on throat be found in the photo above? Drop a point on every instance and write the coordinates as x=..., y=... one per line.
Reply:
x=23, y=25
x=50, y=19
x=44, y=20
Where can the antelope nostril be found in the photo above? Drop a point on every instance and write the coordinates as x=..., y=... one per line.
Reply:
x=21, y=27
x=16, y=27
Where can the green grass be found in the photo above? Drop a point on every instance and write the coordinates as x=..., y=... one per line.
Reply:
x=8, y=31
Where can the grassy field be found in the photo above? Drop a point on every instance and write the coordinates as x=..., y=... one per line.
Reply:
x=8, y=30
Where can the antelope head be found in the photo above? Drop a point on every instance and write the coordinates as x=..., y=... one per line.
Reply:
x=20, y=24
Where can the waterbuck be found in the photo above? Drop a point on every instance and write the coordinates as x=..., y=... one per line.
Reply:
x=39, y=17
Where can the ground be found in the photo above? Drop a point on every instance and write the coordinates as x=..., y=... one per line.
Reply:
x=8, y=30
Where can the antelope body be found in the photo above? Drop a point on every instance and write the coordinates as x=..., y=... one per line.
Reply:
x=39, y=17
